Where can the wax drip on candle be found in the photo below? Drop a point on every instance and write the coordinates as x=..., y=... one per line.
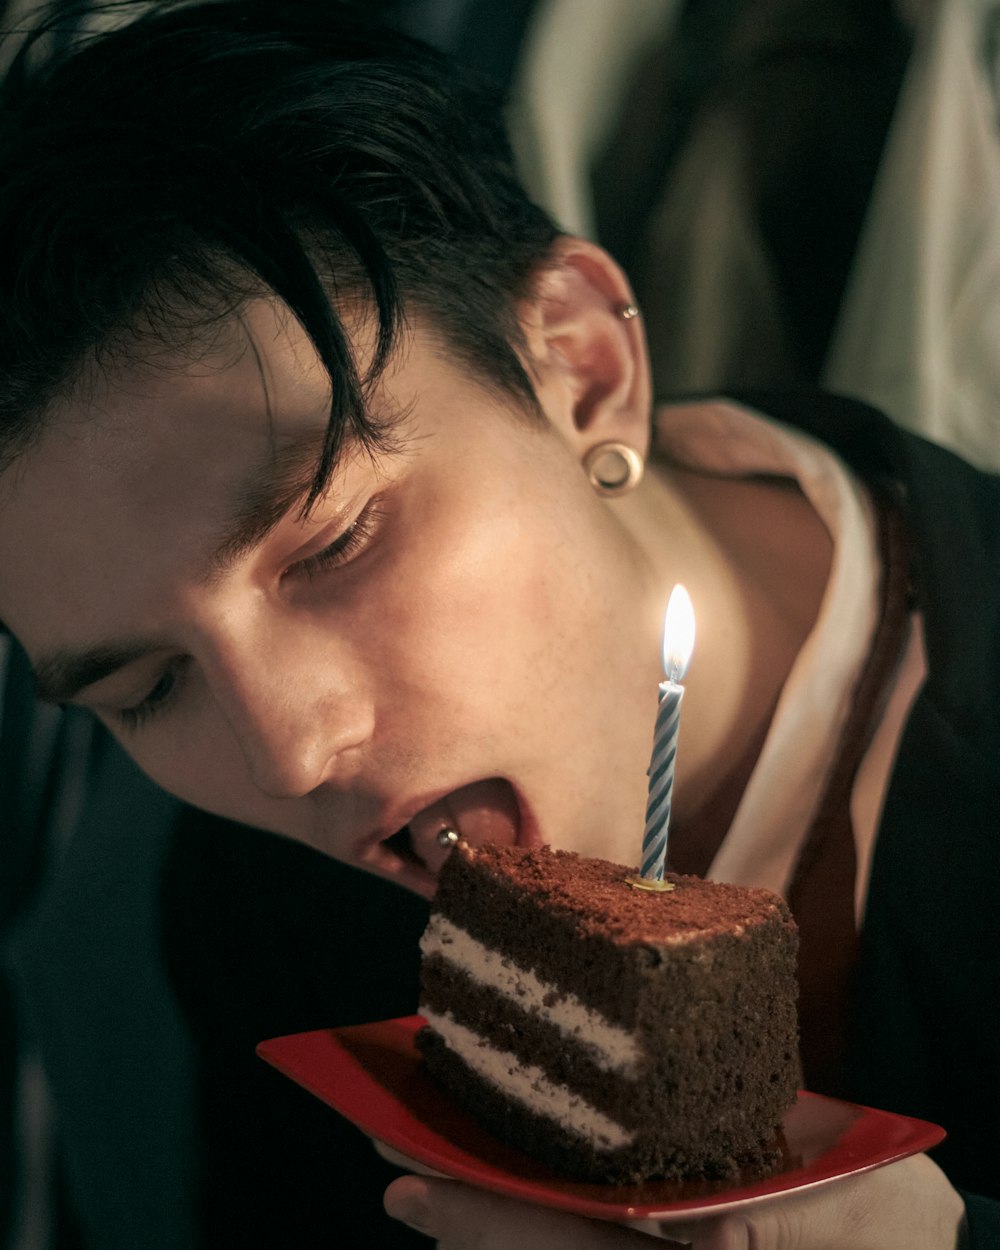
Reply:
x=678, y=644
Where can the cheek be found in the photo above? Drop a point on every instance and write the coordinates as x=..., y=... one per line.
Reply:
x=489, y=604
x=196, y=759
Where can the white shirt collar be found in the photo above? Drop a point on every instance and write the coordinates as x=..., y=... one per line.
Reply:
x=774, y=815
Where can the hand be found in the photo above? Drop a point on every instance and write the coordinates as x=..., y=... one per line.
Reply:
x=907, y=1206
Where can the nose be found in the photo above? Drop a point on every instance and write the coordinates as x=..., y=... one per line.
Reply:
x=300, y=714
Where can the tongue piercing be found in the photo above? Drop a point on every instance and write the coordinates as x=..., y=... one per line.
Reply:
x=447, y=838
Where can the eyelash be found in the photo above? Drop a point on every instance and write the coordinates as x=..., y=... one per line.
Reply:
x=132, y=718
x=343, y=548
x=346, y=545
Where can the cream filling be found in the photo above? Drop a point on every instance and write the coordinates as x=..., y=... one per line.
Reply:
x=528, y=1084
x=611, y=1047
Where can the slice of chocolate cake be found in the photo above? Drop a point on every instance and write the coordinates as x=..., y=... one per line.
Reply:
x=614, y=1033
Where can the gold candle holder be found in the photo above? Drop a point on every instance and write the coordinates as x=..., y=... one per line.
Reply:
x=649, y=883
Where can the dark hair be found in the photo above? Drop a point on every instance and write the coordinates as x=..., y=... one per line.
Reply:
x=202, y=153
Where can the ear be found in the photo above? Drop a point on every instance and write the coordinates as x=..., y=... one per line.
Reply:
x=589, y=363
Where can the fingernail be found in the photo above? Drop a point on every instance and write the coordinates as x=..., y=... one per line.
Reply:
x=411, y=1209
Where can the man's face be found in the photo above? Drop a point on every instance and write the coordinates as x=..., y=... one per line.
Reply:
x=459, y=634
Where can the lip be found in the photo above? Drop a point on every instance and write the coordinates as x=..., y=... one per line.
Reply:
x=486, y=810
x=372, y=853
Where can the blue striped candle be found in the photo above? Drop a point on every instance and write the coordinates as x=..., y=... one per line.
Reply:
x=678, y=643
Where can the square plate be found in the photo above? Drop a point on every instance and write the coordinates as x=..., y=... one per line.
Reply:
x=373, y=1075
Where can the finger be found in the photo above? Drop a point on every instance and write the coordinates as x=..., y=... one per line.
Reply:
x=720, y=1233
x=461, y=1218
x=909, y=1205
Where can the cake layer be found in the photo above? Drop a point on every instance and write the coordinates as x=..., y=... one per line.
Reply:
x=528, y=1085
x=529, y=1037
x=708, y=1059
x=612, y=1047
x=717, y=1155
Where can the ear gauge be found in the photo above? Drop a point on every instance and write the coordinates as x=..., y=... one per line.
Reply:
x=613, y=468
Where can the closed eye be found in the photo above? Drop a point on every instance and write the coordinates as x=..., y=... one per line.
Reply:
x=133, y=718
x=346, y=545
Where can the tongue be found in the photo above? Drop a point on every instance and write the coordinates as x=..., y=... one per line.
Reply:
x=485, y=811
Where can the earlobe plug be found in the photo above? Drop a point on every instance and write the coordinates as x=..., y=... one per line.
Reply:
x=613, y=468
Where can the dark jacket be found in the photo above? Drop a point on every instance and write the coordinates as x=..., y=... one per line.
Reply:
x=926, y=1026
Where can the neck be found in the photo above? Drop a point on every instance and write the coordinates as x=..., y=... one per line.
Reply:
x=755, y=557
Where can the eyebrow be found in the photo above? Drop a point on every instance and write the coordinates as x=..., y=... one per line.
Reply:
x=258, y=504
x=265, y=496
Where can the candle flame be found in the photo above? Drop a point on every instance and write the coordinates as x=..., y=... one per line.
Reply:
x=678, y=634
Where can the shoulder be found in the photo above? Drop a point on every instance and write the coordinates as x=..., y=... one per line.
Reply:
x=951, y=514
x=872, y=444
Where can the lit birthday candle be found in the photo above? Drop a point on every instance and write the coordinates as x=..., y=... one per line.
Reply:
x=678, y=643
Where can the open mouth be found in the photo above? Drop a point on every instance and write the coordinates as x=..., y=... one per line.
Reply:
x=481, y=812
x=401, y=846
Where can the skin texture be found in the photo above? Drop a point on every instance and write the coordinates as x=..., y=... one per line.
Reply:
x=478, y=646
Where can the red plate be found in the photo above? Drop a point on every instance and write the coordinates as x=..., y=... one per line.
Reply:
x=373, y=1075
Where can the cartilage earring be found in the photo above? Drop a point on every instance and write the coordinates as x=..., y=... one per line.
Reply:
x=613, y=468
x=627, y=311
x=447, y=838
